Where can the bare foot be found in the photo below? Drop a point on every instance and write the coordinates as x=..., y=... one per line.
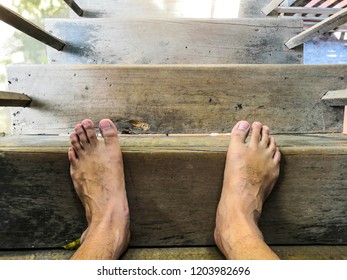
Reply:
x=251, y=171
x=98, y=177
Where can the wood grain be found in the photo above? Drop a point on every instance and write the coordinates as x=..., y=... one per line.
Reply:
x=173, y=185
x=175, y=41
x=178, y=99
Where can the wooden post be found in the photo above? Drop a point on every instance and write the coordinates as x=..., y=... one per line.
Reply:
x=13, y=99
x=320, y=28
x=337, y=98
x=29, y=28
x=74, y=6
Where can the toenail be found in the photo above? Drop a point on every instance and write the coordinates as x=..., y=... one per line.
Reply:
x=105, y=125
x=243, y=125
x=79, y=130
x=86, y=124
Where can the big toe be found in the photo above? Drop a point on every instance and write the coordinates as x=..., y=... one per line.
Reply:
x=108, y=131
x=240, y=131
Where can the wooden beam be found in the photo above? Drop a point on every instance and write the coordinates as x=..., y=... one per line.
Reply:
x=320, y=28
x=271, y=6
x=20, y=23
x=178, y=99
x=173, y=186
x=335, y=98
x=317, y=252
x=13, y=99
x=74, y=6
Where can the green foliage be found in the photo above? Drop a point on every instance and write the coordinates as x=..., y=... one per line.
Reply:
x=38, y=9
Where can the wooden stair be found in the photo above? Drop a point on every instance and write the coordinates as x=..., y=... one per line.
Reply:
x=175, y=41
x=178, y=99
x=174, y=160
x=167, y=173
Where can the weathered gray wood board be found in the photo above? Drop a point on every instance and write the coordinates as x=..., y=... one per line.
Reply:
x=173, y=186
x=188, y=253
x=175, y=41
x=178, y=99
x=172, y=8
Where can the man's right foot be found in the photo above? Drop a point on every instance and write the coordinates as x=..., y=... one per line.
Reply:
x=251, y=171
x=98, y=177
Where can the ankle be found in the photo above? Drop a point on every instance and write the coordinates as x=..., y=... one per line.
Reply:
x=240, y=226
x=115, y=236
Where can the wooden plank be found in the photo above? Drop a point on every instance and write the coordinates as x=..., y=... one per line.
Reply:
x=20, y=23
x=175, y=41
x=335, y=98
x=74, y=6
x=271, y=6
x=178, y=99
x=14, y=99
x=188, y=253
x=41, y=210
x=322, y=27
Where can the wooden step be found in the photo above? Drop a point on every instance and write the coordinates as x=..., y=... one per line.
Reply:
x=172, y=8
x=174, y=41
x=177, y=99
x=173, y=185
x=188, y=253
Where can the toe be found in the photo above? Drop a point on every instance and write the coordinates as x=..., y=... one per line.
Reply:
x=272, y=146
x=72, y=156
x=82, y=135
x=76, y=144
x=265, y=135
x=277, y=156
x=256, y=132
x=240, y=131
x=88, y=127
x=108, y=131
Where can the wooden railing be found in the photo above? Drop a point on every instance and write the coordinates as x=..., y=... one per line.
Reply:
x=319, y=16
x=17, y=21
